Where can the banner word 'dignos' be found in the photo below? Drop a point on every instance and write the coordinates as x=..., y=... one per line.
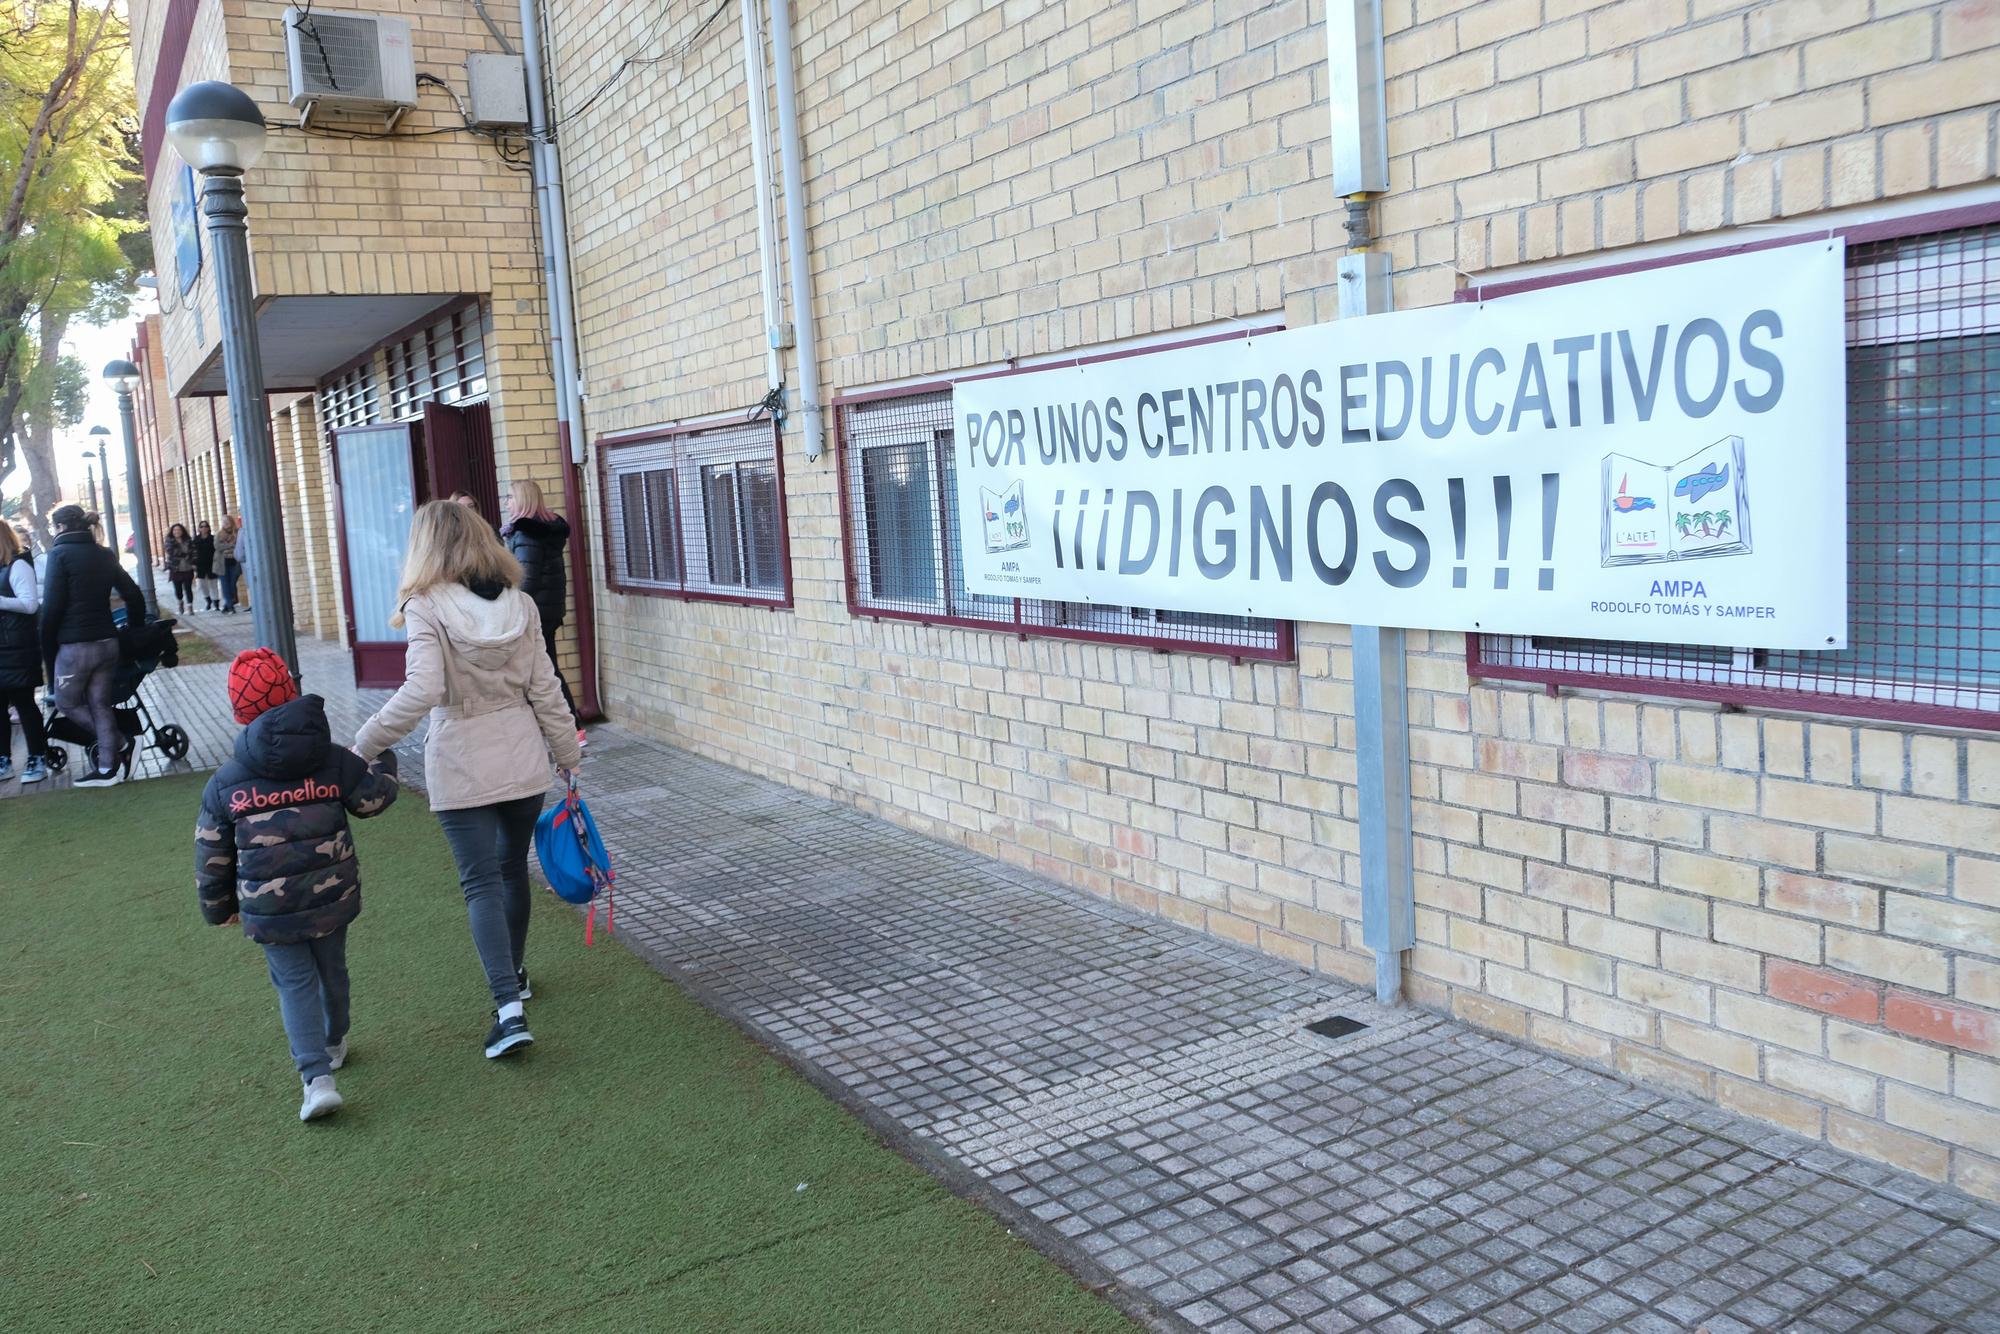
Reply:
x=1652, y=456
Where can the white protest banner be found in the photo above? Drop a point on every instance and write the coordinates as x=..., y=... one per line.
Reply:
x=1657, y=455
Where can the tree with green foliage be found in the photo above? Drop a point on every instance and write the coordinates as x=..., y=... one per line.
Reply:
x=72, y=241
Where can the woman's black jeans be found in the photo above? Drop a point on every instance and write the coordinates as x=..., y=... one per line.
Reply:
x=21, y=700
x=549, y=644
x=490, y=844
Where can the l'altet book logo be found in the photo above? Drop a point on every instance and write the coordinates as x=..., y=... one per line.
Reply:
x=1682, y=511
x=1006, y=514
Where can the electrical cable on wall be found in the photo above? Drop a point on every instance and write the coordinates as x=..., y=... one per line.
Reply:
x=773, y=403
x=514, y=158
x=506, y=47
x=303, y=22
x=511, y=156
x=630, y=63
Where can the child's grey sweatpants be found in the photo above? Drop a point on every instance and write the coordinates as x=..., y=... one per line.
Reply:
x=311, y=978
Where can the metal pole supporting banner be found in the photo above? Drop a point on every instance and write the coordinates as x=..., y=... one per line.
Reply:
x=250, y=416
x=135, y=501
x=1360, y=167
x=1382, y=729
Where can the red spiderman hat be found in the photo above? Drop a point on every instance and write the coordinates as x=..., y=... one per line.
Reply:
x=259, y=680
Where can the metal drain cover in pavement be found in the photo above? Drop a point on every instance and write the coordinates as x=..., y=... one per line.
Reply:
x=1335, y=1026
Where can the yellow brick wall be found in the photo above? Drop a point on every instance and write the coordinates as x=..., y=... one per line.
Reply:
x=421, y=212
x=188, y=321
x=1522, y=130
x=1796, y=918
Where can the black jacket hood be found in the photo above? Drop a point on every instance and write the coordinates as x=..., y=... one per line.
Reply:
x=289, y=741
x=555, y=528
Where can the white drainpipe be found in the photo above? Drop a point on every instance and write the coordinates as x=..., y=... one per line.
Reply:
x=554, y=223
x=795, y=226
x=776, y=338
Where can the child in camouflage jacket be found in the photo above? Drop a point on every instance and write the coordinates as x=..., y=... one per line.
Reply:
x=273, y=850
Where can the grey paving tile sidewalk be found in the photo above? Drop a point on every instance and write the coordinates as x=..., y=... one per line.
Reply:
x=1147, y=1104
x=195, y=699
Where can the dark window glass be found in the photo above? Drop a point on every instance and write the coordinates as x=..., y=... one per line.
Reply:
x=721, y=523
x=902, y=518
x=660, y=522
x=632, y=524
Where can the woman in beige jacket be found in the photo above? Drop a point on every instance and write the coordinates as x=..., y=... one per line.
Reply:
x=476, y=667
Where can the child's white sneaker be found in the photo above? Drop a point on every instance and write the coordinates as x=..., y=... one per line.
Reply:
x=337, y=1053
x=322, y=1099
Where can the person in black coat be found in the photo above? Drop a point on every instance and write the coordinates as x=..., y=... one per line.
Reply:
x=204, y=565
x=79, y=637
x=20, y=658
x=536, y=535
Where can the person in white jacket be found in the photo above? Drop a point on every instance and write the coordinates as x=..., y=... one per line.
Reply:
x=20, y=658
x=476, y=668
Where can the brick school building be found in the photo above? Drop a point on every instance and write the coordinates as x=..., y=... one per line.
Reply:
x=1769, y=879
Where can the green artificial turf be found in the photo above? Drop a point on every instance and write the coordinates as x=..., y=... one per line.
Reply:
x=644, y=1167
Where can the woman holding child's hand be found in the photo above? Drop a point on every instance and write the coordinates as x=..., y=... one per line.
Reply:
x=477, y=667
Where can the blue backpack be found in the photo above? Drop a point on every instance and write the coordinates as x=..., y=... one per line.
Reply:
x=574, y=859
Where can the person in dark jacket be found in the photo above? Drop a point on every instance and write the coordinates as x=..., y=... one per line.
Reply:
x=232, y=568
x=536, y=535
x=20, y=658
x=273, y=849
x=178, y=556
x=79, y=638
x=204, y=565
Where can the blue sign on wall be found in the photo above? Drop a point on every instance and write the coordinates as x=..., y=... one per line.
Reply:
x=187, y=231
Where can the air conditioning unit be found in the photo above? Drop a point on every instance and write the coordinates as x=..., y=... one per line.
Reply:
x=357, y=62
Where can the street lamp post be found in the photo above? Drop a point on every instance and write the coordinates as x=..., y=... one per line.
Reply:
x=90, y=477
x=123, y=376
x=218, y=130
x=108, y=509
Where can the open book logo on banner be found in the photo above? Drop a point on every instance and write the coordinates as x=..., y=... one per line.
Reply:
x=1006, y=518
x=1697, y=507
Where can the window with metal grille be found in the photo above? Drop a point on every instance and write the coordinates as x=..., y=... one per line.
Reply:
x=905, y=557
x=1923, y=476
x=698, y=514
x=443, y=362
x=348, y=399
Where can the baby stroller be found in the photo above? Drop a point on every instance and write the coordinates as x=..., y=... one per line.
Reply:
x=142, y=650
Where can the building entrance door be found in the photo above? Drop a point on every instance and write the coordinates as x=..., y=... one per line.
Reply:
x=381, y=473
x=457, y=447
x=375, y=495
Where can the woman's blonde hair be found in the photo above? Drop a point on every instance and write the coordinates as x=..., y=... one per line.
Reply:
x=451, y=544
x=524, y=498
x=10, y=545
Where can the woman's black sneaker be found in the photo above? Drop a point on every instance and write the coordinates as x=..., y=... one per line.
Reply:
x=521, y=976
x=506, y=1036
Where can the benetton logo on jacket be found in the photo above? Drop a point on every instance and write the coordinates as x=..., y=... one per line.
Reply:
x=250, y=799
x=272, y=842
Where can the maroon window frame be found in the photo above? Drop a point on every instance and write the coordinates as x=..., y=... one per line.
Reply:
x=611, y=529
x=1836, y=683
x=1019, y=615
